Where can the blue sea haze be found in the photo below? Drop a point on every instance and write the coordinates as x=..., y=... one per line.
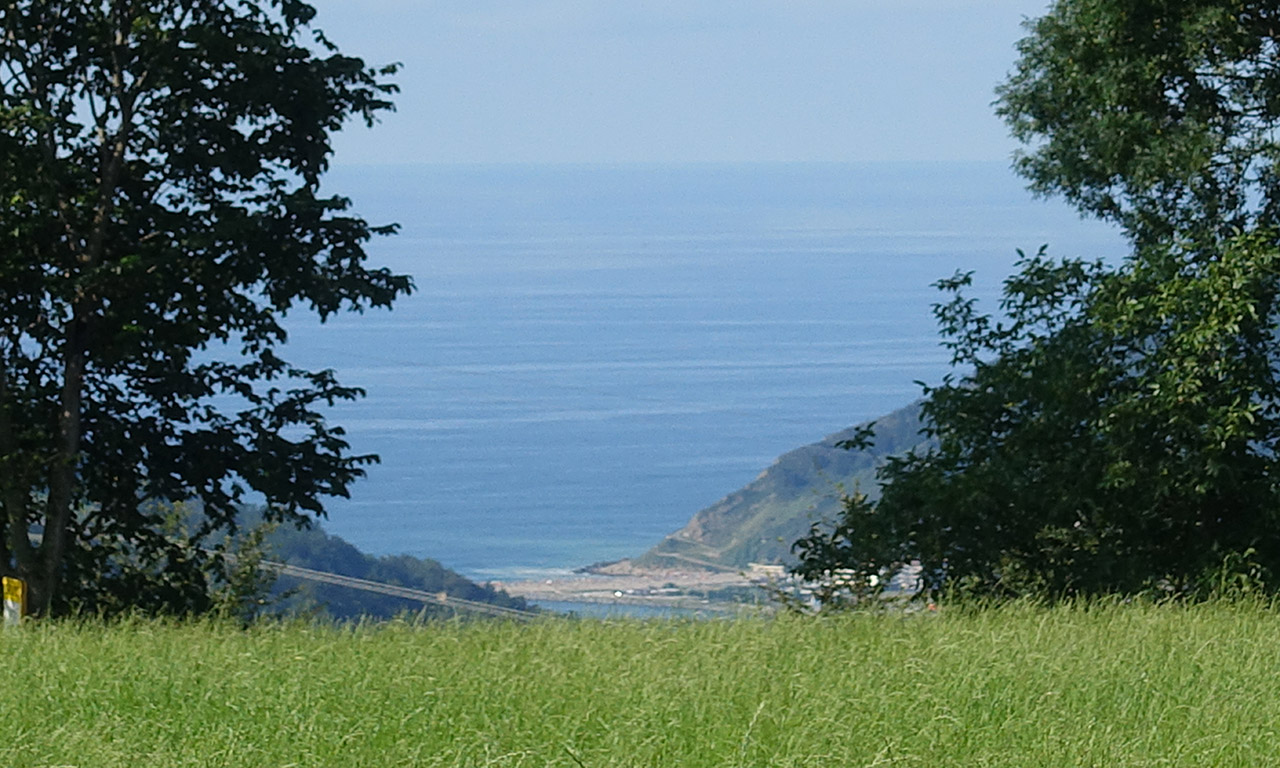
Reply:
x=593, y=354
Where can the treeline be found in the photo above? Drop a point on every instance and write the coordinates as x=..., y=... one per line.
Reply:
x=319, y=550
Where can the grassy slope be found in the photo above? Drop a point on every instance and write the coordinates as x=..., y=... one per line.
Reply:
x=1127, y=686
x=759, y=522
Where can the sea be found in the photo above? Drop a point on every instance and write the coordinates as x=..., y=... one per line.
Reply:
x=592, y=354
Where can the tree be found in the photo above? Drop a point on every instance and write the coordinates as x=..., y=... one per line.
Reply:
x=1116, y=430
x=161, y=212
x=1113, y=433
x=1160, y=115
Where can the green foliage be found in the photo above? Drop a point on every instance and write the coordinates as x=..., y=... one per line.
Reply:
x=1160, y=116
x=1115, y=434
x=160, y=213
x=1010, y=687
x=1117, y=429
x=247, y=582
x=757, y=523
x=313, y=548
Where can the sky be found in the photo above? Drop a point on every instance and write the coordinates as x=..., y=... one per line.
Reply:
x=675, y=81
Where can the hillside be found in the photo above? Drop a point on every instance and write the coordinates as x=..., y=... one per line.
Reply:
x=758, y=523
x=316, y=549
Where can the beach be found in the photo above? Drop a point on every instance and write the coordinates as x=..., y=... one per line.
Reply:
x=621, y=582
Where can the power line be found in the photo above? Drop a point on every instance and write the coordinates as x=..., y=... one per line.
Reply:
x=392, y=590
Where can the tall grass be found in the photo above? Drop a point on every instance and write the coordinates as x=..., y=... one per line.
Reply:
x=1014, y=686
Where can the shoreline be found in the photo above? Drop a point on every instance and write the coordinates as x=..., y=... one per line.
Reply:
x=622, y=583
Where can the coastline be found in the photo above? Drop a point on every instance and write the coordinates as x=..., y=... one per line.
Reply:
x=621, y=582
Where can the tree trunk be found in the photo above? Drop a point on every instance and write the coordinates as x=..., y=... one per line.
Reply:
x=45, y=571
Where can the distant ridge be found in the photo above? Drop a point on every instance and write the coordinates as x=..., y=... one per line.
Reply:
x=320, y=574
x=759, y=522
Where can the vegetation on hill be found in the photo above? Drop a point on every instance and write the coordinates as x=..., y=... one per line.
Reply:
x=759, y=523
x=1016, y=686
x=318, y=550
x=321, y=551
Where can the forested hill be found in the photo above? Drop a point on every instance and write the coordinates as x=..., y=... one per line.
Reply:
x=316, y=549
x=758, y=523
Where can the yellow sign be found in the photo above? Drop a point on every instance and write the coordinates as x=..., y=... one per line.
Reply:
x=15, y=600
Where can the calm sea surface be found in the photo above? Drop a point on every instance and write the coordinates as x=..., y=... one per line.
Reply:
x=593, y=354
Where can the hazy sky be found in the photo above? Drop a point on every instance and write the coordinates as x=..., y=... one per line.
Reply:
x=616, y=81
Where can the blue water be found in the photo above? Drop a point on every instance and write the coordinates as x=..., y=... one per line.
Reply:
x=594, y=354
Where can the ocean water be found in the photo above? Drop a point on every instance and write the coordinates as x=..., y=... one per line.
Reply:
x=593, y=354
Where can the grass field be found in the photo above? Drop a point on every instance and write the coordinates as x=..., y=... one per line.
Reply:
x=1020, y=686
